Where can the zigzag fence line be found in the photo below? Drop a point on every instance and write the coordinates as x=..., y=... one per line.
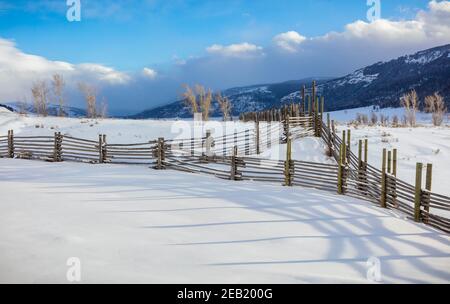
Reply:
x=383, y=187
x=232, y=157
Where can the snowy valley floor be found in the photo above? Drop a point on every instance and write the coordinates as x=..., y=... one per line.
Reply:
x=135, y=224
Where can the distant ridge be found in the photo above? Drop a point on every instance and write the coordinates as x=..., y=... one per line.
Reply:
x=380, y=84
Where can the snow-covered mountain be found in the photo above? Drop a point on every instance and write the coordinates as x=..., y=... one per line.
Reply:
x=380, y=84
x=243, y=99
x=53, y=109
x=385, y=82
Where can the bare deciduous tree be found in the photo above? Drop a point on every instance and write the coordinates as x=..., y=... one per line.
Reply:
x=198, y=101
x=395, y=121
x=435, y=105
x=40, y=92
x=58, y=90
x=384, y=119
x=225, y=105
x=373, y=118
x=90, y=95
x=190, y=99
x=359, y=118
x=205, y=100
x=365, y=119
x=410, y=103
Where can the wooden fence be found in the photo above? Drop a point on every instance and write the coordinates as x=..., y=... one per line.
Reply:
x=235, y=157
x=383, y=187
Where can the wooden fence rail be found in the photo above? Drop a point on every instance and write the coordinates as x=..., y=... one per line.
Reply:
x=383, y=187
x=235, y=157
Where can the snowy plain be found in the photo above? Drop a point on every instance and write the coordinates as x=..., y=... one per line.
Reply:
x=135, y=224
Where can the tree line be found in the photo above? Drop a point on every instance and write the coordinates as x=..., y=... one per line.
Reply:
x=433, y=104
x=200, y=100
x=44, y=94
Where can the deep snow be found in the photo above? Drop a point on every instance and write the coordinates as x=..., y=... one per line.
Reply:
x=134, y=224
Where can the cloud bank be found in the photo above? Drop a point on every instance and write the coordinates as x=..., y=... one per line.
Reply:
x=290, y=55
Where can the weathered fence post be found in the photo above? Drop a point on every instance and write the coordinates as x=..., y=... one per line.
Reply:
x=349, y=145
x=321, y=115
x=418, y=192
x=428, y=179
x=57, y=148
x=383, y=180
x=315, y=116
x=330, y=137
x=286, y=129
x=389, y=160
x=288, y=164
x=160, y=157
x=10, y=143
x=313, y=91
x=394, y=173
x=233, y=169
x=329, y=122
x=366, y=149
x=100, y=149
x=340, y=188
x=343, y=139
x=257, y=136
x=104, y=148
x=360, y=166
x=333, y=133
x=360, y=154
x=309, y=106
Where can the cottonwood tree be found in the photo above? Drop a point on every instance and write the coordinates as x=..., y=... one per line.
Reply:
x=190, y=99
x=373, y=118
x=40, y=91
x=225, y=105
x=410, y=103
x=198, y=100
x=90, y=95
x=384, y=119
x=205, y=100
x=435, y=105
x=395, y=121
x=58, y=84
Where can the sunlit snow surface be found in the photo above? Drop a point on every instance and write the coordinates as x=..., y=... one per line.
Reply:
x=136, y=224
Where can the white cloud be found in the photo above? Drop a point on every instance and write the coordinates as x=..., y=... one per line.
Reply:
x=428, y=27
x=149, y=73
x=103, y=73
x=19, y=70
x=241, y=50
x=332, y=54
x=289, y=41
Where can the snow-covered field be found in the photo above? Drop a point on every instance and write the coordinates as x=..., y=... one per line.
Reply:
x=135, y=224
x=425, y=144
x=117, y=130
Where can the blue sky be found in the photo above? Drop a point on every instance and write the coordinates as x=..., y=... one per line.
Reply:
x=130, y=34
x=140, y=53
